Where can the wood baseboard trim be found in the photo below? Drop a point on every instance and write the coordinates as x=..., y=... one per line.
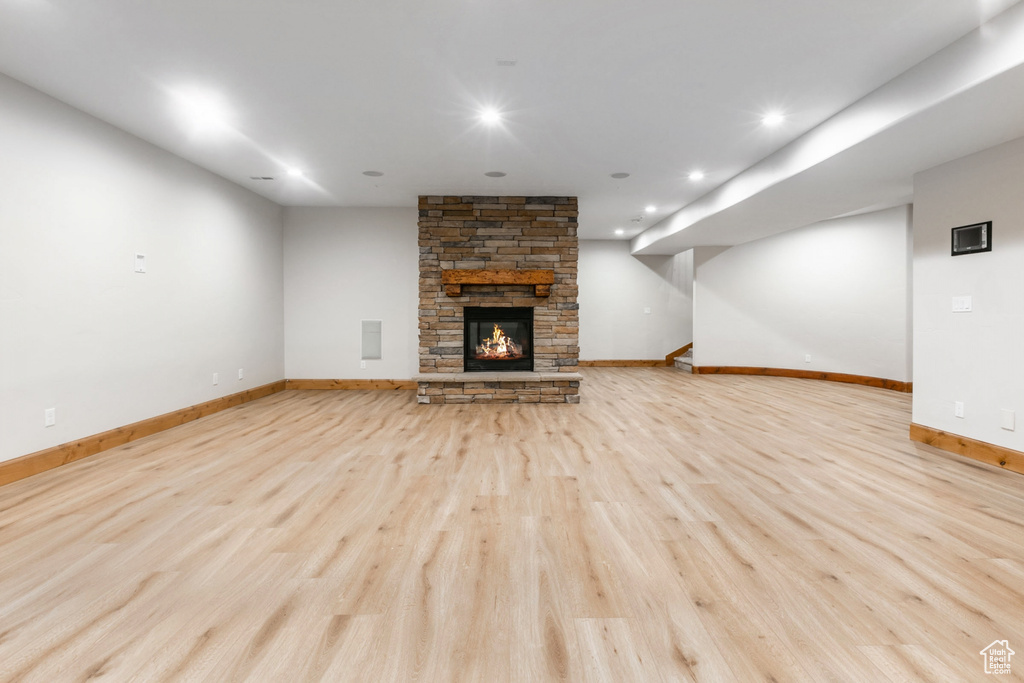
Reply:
x=999, y=456
x=350, y=384
x=670, y=359
x=879, y=382
x=49, y=458
x=622, y=364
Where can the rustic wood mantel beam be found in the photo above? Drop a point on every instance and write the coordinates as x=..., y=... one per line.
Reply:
x=453, y=280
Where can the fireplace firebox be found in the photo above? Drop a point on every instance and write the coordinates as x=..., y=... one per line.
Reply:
x=498, y=339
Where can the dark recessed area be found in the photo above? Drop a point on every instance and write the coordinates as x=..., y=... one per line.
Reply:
x=498, y=339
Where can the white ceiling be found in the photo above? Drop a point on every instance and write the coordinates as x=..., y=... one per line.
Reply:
x=655, y=88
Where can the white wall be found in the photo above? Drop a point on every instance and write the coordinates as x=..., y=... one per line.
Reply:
x=79, y=330
x=976, y=357
x=837, y=290
x=615, y=288
x=342, y=266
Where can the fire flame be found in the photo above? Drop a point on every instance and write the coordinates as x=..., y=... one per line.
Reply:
x=499, y=346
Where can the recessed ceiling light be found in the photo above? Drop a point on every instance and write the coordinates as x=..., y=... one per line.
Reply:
x=774, y=118
x=620, y=231
x=620, y=176
x=295, y=172
x=373, y=174
x=650, y=208
x=696, y=175
x=202, y=110
x=490, y=116
x=495, y=174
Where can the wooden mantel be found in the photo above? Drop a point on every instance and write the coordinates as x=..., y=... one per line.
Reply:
x=540, y=279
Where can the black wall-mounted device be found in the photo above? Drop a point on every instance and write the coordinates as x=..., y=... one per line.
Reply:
x=972, y=239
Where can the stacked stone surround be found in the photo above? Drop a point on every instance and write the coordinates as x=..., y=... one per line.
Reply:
x=498, y=233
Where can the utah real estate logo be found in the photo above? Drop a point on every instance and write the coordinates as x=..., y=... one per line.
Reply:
x=997, y=657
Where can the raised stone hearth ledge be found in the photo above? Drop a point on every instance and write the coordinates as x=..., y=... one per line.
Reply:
x=498, y=387
x=498, y=377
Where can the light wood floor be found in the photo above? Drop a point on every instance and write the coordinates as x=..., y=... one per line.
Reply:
x=671, y=527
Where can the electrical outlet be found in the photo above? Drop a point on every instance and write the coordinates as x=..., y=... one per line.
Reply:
x=50, y=417
x=362, y=365
x=807, y=358
x=958, y=408
x=216, y=378
x=241, y=373
x=1007, y=420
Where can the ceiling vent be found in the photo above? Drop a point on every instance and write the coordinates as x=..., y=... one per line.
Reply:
x=260, y=177
x=506, y=62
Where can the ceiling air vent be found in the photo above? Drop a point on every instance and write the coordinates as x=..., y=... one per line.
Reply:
x=260, y=177
x=506, y=62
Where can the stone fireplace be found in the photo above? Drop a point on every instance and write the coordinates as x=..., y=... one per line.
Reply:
x=498, y=311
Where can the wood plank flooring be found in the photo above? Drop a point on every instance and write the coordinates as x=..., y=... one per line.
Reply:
x=669, y=528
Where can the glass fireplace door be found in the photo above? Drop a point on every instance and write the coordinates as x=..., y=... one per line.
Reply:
x=498, y=339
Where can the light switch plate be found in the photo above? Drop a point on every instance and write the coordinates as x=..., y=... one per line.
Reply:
x=50, y=417
x=140, y=263
x=1007, y=419
x=962, y=304
x=958, y=408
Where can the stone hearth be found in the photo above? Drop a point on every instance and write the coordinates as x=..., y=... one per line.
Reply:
x=499, y=387
x=515, y=239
